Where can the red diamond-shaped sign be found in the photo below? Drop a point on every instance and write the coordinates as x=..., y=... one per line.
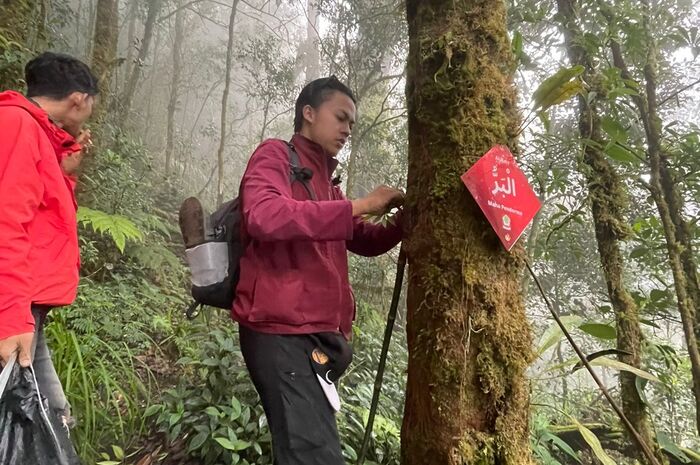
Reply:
x=503, y=193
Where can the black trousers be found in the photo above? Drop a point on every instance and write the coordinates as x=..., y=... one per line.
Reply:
x=302, y=422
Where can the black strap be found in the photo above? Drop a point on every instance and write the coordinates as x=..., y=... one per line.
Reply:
x=298, y=173
x=192, y=312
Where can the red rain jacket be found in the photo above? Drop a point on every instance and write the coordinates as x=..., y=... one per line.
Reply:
x=39, y=255
x=294, y=272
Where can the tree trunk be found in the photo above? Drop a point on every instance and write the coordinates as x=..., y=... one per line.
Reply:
x=667, y=200
x=312, y=57
x=130, y=39
x=174, y=85
x=40, y=35
x=608, y=201
x=224, y=105
x=469, y=339
x=78, y=25
x=149, y=28
x=645, y=102
x=105, y=39
x=90, y=33
x=151, y=89
x=670, y=205
x=684, y=237
x=352, y=168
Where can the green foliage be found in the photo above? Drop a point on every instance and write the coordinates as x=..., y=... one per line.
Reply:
x=599, y=330
x=102, y=385
x=215, y=414
x=558, y=88
x=119, y=228
x=356, y=389
x=17, y=19
x=12, y=58
x=215, y=410
x=111, y=347
x=594, y=443
x=546, y=445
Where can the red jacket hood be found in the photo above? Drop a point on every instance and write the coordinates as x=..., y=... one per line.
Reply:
x=62, y=142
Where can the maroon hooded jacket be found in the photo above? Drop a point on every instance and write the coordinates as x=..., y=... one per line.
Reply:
x=294, y=272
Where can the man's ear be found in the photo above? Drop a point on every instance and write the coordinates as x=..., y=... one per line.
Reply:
x=77, y=99
x=309, y=114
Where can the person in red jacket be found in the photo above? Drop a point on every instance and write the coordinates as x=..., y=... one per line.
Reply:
x=293, y=301
x=39, y=256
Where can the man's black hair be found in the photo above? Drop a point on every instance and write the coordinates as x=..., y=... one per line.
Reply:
x=315, y=93
x=56, y=76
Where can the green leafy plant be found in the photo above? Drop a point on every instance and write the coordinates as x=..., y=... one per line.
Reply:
x=214, y=412
x=119, y=228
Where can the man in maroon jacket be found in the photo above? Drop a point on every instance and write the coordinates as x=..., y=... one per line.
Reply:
x=40, y=150
x=293, y=301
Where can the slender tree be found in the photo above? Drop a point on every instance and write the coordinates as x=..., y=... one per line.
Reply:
x=224, y=104
x=154, y=7
x=174, y=84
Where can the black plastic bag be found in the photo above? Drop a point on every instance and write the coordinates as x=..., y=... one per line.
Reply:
x=30, y=432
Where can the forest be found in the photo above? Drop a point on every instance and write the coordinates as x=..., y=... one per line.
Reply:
x=599, y=101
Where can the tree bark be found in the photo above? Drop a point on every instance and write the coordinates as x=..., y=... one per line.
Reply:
x=105, y=40
x=469, y=339
x=151, y=87
x=312, y=57
x=352, y=168
x=608, y=201
x=130, y=39
x=174, y=85
x=224, y=105
x=667, y=200
x=90, y=33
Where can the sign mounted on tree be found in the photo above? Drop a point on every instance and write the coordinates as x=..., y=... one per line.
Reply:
x=503, y=193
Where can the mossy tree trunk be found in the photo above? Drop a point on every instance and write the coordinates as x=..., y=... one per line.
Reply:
x=668, y=202
x=608, y=200
x=468, y=337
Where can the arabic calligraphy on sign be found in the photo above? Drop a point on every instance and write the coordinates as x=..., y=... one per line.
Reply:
x=507, y=187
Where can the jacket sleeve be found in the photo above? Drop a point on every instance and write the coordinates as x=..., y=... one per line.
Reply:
x=370, y=240
x=21, y=191
x=271, y=213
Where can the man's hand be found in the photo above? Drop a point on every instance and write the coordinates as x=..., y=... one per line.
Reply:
x=377, y=202
x=22, y=344
x=70, y=163
x=85, y=139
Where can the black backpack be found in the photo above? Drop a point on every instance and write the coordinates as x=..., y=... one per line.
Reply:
x=214, y=245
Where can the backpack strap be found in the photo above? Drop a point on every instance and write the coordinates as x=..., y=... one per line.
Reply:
x=192, y=312
x=299, y=173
